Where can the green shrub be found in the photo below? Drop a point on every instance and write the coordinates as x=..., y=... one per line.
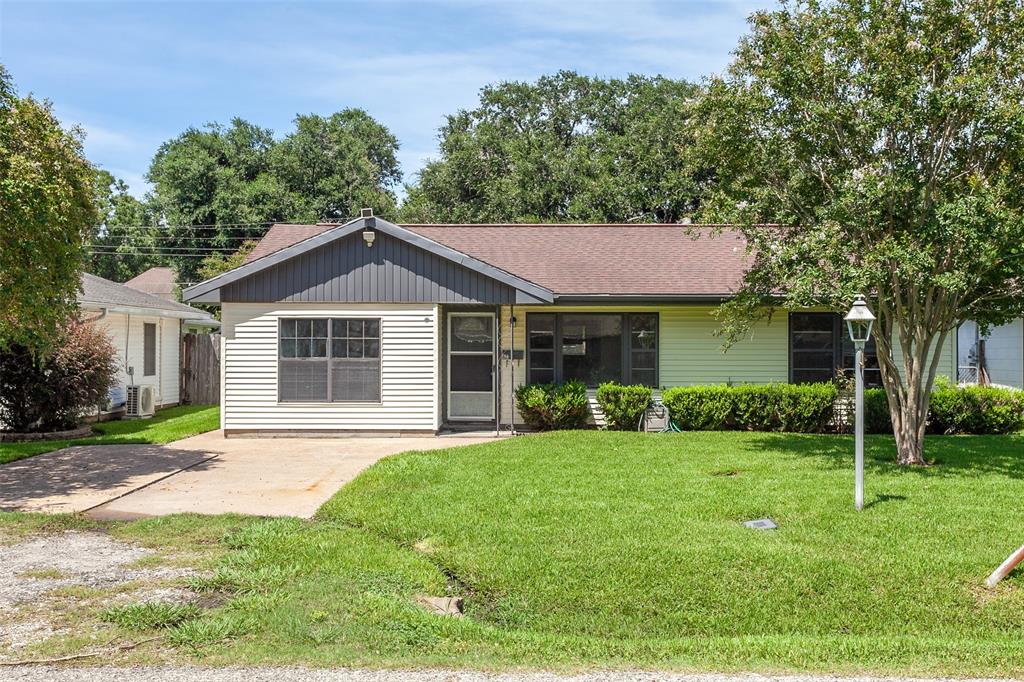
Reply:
x=803, y=408
x=877, y=418
x=700, y=408
x=978, y=410
x=806, y=408
x=548, y=407
x=623, y=406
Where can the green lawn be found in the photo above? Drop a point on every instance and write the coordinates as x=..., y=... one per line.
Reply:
x=592, y=549
x=167, y=425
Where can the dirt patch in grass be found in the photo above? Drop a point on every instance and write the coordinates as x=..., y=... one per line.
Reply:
x=46, y=582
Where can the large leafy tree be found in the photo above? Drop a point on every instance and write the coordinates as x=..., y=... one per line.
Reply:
x=885, y=138
x=216, y=187
x=46, y=217
x=564, y=148
x=122, y=245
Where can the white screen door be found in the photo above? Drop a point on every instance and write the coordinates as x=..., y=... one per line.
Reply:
x=470, y=366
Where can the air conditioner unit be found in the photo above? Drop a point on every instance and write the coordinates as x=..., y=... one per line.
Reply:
x=140, y=401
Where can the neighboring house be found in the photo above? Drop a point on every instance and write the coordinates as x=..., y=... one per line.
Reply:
x=372, y=326
x=146, y=331
x=158, y=282
x=996, y=358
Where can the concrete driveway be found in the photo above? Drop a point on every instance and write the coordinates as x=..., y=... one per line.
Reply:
x=204, y=474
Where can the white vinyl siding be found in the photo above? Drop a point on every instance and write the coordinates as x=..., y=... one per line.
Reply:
x=126, y=332
x=409, y=370
x=1004, y=354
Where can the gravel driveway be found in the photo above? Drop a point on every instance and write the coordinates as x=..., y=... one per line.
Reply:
x=180, y=674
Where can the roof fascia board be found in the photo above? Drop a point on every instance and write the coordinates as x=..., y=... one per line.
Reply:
x=601, y=299
x=149, y=312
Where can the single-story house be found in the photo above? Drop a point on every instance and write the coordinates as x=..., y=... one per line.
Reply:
x=370, y=326
x=996, y=357
x=146, y=331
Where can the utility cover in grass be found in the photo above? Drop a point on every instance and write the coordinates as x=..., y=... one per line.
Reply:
x=761, y=524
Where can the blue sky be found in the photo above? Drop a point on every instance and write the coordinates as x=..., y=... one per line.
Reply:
x=136, y=74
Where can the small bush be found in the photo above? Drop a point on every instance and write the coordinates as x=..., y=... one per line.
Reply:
x=150, y=615
x=877, y=418
x=806, y=408
x=53, y=392
x=623, y=406
x=700, y=408
x=548, y=407
x=978, y=410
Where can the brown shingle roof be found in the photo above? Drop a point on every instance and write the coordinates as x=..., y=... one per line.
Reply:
x=575, y=259
x=156, y=281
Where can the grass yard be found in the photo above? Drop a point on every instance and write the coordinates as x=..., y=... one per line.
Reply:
x=623, y=550
x=168, y=425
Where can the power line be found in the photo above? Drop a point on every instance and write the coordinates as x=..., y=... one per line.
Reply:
x=154, y=255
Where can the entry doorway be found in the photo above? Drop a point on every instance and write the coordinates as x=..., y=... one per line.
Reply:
x=471, y=366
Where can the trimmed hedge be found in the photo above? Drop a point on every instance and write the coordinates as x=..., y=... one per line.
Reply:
x=976, y=410
x=547, y=407
x=623, y=406
x=805, y=408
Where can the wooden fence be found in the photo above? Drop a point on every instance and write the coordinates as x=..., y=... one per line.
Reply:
x=200, y=369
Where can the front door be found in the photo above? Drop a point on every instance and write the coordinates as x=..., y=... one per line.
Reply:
x=470, y=366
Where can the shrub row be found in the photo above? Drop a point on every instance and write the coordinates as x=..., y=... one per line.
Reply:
x=805, y=408
x=553, y=406
x=978, y=410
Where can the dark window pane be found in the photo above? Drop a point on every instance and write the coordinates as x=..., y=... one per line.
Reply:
x=644, y=359
x=822, y=322
x=303, y=380
x=810, y=376
x=339, y=348
x=355, y=328
x=541, y=376
x=371, y=348
x=541, y=322
x=149, y=349
x=355, y=348
x=542, y=340
x=812, y=340
x=471, y=372
x=592, y=348
x=472, y=333
x=355, y=380
x=287, y=328
x=287, y=348
x=644, y=323
x=542, y=359
x=813, y=360
x=644, y=377
x=320, y=329
x=371, y=328
x=318, y=348
x=303, y=327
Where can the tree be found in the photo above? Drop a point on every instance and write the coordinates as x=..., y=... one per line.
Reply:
x=211, y=266
x=46, y=216
x=885, y=138
x=122, y=246
x=565, y=148
x=216, y=187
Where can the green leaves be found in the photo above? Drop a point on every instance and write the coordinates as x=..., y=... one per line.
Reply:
x=46, y=216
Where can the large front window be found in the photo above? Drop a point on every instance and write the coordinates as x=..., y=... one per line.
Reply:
x=329, y=360
x=820, y=348
x=592, y=348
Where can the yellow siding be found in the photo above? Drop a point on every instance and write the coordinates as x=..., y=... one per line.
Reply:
x=689, y=352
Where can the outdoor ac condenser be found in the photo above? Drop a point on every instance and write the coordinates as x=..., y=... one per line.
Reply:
x=140, y=401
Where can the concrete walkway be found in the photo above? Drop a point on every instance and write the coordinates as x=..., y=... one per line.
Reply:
x=205, y=474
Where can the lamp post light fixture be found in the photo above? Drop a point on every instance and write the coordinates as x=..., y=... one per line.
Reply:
x=859, y=321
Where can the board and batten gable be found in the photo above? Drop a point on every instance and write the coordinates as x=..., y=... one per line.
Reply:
x=391, y=270
x=409, y=371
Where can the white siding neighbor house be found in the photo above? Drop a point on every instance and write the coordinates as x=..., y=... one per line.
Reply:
x=994, y=358
x=145, y=330
x=373, y=327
